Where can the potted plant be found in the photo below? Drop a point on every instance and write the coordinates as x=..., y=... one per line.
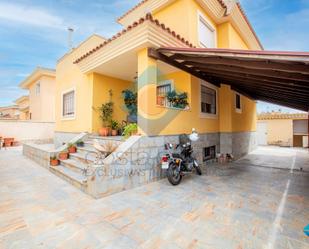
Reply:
x=71, y=148
x=115, y=127
x=178, y=100
x=63, y=155
x=8, y=142
x=129, y=130
x=130, y=100
x=106, y=114
x=109, y=147
x=54, y=161
x=80, y=143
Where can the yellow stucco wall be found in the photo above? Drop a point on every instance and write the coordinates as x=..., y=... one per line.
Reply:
x=228, y=37
x=101, y=86
x=279, y=130
x=168, y=121
x=69, y=76
x=187, y=11
x=42, y=105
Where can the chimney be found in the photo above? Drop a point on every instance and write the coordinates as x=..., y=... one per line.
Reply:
x=70, y=38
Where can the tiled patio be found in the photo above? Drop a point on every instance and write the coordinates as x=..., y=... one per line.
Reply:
x=238, y=207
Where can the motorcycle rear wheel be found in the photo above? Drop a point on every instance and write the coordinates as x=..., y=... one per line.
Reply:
x=173, y=175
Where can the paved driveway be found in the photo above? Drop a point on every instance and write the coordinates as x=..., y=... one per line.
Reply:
x=239, y=206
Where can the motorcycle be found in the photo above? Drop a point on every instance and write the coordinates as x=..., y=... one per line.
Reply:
x=183, y=163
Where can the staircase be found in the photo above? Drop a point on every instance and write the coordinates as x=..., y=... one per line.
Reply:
x=73, y=169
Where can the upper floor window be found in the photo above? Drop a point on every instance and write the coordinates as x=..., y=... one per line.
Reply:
x=238, y=102
x=163, y=88
x=206, y=33
x=68, y=104
x=208, y=100
x=37, y=88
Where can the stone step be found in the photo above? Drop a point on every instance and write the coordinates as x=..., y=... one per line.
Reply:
x=108, y=138
x=86, y=149
x=83, y=156
x=76, y=179
x=74, y=165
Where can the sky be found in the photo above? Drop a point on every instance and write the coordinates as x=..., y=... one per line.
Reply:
x=34, y=32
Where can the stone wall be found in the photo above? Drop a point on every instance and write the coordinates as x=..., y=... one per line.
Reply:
x=238, y=143
x=63, y=137
x=38, y=153
x=26, y=130
x=137, y=162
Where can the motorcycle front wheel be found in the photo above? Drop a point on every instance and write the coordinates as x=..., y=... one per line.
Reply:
x=173, y=174
x=198, y=170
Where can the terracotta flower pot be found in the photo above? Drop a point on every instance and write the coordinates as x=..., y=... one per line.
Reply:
x=63, y=155
x=114, y=132
x=104, y=131
x=72, y=149
x=54, y=162
x=8, y=142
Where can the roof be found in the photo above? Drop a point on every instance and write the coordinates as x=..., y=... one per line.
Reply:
x=2, y=108
x=144, y=1
x=277, y=77
x=80, y=45
x=22, y=98
x=38, y=72
x=221, y=2
x=274, y=115
x=147, y=18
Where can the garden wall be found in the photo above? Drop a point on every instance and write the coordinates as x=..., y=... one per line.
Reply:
x=27, y=130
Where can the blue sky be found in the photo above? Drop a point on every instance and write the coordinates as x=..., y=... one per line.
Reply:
x=33, y=32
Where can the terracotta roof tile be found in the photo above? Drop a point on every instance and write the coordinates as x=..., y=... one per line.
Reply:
x=149, y=18
x=144, y=1
x=249, y=24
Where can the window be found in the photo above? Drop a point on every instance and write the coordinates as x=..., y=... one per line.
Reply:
x=238, y=102
x=208, y=100
x=209, y=153
x=37, y=89
x=68, y=104
x=206, y=33
x=162, y=89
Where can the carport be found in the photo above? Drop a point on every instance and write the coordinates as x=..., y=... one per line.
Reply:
x=276, y=77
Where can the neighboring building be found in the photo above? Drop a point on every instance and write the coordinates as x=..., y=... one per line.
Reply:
x=23, y=106
x=224, y=117
x=283, y=129
x=41, y=85
x=9, y=112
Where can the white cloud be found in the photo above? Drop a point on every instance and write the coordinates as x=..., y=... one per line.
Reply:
x=29, y=15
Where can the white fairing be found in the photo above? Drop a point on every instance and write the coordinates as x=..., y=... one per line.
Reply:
x=194, y=136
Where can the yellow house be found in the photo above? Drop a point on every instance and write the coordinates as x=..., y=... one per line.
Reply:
x=223, y=116
x=23, y=106
x=283, y=129
x=41, y=84
x=9, y=112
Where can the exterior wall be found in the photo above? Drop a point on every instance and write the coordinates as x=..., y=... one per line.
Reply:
x=42, y=106
x=101, y=86
x=238, y=143
x=11, y=112
x=279, y=131
x=187, y=11
x=228, y=37
x=69, y=76
x=26, y=130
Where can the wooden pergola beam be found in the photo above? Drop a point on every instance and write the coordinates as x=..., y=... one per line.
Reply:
x=234, y=69
x=152, y=53
x=254, y=64
x=260, y=81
